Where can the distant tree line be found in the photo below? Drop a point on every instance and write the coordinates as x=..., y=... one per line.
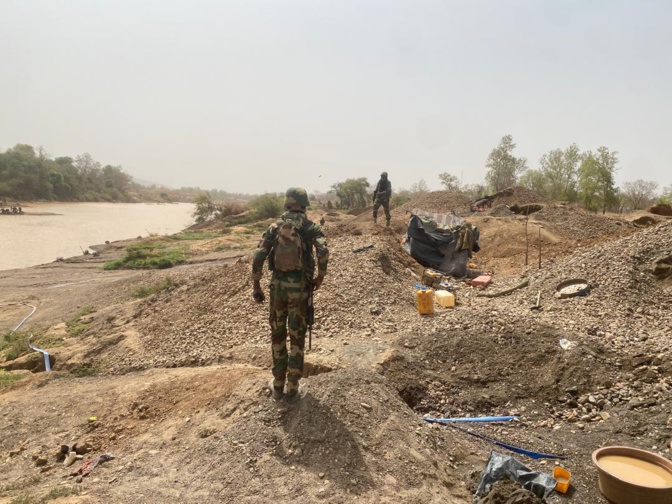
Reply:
x=29, y=175
x=587, y=178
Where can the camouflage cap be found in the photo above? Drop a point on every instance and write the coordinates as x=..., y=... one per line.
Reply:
x=384, y=174
x=296, y=196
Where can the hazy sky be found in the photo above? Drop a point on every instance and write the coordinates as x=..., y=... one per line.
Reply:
x=255, y=96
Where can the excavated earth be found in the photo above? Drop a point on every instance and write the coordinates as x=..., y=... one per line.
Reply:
x=174, y=384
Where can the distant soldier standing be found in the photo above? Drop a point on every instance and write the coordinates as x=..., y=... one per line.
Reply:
x=381, y=196
x=289, y=244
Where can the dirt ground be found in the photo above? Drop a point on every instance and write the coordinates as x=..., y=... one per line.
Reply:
x=174, y=384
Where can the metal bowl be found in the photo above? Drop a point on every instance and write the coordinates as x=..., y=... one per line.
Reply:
x=573, y=287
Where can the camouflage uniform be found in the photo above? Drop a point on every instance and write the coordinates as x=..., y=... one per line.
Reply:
x=381, y=196
x=289, y=297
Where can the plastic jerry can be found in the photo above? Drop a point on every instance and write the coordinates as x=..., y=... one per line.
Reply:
x=445, y=298
x=425, y=298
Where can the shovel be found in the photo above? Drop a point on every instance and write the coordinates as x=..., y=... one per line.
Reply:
x=537, y=306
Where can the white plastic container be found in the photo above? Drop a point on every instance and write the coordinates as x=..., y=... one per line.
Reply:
x=445, y=298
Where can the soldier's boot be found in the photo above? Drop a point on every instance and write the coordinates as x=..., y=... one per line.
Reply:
x=292, y=396
x=293, y=392
x=387, y=223
x=276, y=391
x=375, y=219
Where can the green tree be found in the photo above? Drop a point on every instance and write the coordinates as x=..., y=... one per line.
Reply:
x=91, y=177
x=449, y=181
x=597, y=188
x=116, y=182
x=204, y=207
x=535, y=180
x=353, y=193
x=400, y=197
x=25, y=176
x=267, y=206
x=560, y=169
x=503, y=167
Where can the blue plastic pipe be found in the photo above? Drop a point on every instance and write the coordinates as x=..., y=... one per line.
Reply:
x=472, y=419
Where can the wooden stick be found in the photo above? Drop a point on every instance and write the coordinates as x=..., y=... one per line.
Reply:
x=527, y=241
x=539, y=247
x=504, y=292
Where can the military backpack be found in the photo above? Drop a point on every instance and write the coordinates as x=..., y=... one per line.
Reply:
x=288, y=247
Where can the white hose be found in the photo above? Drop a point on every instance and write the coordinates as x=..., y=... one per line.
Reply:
x=26, y=317
x=47, y=363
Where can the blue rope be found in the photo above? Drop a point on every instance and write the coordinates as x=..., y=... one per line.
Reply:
x=532, y=454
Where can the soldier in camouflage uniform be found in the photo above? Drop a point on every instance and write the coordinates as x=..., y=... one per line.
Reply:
x=381, y=196
x=288, y=244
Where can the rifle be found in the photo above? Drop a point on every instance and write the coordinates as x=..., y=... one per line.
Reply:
x=310, y=318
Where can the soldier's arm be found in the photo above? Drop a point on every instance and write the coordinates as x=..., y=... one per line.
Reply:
x=322, y=253
x=260, y=255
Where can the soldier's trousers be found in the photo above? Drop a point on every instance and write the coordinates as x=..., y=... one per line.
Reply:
x=288, y=316
x=386, y=207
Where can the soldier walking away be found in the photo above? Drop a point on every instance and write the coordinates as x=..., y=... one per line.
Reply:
x=288, y=245
x=381, y=196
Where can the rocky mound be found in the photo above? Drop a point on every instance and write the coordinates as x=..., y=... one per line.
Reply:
x=517, y=195
x=500, y=211
x=578, y=224
x=625, y=300
x=442, y=202
x=661, y=209
x=211, y=315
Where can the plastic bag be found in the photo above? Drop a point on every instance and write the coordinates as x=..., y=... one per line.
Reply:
x=499, y=465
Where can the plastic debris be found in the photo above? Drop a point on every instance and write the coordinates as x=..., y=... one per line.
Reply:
x=499, y=465
x=565, y=344
x=90, y=465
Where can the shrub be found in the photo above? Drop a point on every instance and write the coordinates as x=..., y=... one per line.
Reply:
x=149, y=290
x=267, y=206
x=14, y=345
x=149, y=256
x=75, y=325
x=7, y=378
x=230, y=208
x=86, y=370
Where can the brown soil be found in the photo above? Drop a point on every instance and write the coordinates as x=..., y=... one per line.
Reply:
x=177, y=381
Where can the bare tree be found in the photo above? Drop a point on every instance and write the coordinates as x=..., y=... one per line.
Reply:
x=419, y=187
x=640, y=193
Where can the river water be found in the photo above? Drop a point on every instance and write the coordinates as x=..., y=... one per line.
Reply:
x=50, y=230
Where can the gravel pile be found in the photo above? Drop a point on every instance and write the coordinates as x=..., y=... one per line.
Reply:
x=575, y=224
x=212, y=317
x=500, y=211
x=516, y=195
x=626, y=303
x=442, y=202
